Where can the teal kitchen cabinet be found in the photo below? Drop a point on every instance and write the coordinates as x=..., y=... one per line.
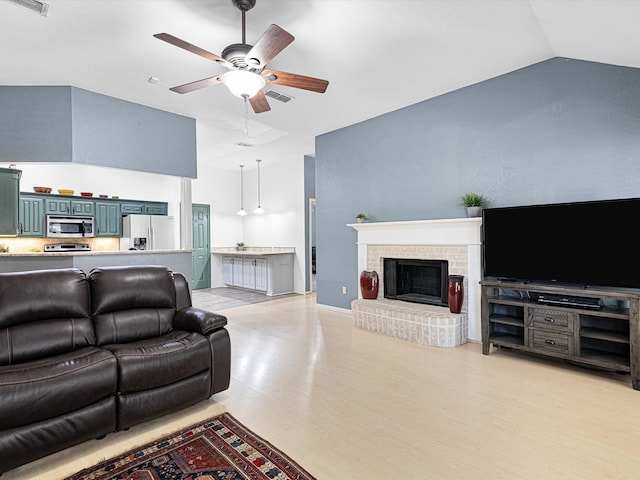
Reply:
x=31, y=216
x=58, y=206
x=108, y=219
x=9, y=200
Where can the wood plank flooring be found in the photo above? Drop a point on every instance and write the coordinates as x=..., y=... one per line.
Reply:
x=348, y=404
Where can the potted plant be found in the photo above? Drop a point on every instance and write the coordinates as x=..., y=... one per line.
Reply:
x=361, y=217
x=240, y=246
x=474, y=203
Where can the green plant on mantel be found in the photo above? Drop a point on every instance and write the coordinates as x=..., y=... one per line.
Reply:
x=361, y=217
x=474, y=200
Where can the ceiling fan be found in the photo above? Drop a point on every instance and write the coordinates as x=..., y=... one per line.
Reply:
x=246, y=75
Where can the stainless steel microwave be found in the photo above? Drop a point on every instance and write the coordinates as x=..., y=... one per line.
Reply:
x=69, y=227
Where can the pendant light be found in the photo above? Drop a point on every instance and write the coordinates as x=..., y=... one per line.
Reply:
x=242, y=212
x=259, y=210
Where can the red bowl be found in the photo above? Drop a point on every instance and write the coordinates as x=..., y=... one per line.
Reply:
x=86, y=194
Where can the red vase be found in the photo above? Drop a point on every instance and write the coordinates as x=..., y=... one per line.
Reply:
x=455, y=293
x=369, y=285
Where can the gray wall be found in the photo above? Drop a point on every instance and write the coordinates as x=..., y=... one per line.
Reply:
x=68, y=124
x=559, y=130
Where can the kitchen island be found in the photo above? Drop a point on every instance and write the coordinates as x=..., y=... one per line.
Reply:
x=176, y=260
x=264, y=269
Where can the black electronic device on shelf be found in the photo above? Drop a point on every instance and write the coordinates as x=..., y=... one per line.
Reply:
x=566, y=300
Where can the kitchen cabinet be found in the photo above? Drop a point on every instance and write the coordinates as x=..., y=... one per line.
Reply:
x=31, y=216
x=271, y=274
x=237, y=269
x=58, y=206
x=9, y=200
x=108, y=219
x=143, y=208
x=261, y=274
x=248, y=273
x=227, y=270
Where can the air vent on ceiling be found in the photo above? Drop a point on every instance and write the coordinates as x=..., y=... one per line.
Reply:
x=34, y=5
x=278, y=96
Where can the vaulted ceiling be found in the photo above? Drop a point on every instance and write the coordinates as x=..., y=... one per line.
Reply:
x=378, y=55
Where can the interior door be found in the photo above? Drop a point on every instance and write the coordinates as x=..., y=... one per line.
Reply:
x=201, y=256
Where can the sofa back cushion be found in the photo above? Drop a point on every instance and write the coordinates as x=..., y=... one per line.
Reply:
x=43, y=313
x=132, y=303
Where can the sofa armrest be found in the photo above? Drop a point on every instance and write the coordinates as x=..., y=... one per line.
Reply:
x=194, y=319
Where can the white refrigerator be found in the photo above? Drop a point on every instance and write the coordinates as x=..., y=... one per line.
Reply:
x=147, y=232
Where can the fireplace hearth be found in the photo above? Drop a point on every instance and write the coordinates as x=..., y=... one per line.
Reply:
x=416, y=280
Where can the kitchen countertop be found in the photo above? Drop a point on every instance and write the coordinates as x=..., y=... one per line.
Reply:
x=74, y=253
x=253, y=251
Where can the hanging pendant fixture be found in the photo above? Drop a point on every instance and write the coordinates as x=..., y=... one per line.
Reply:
x=242, y=212
x=259, y=210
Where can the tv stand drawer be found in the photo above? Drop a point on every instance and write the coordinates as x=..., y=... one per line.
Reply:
x=549, y=319
x=551, y=342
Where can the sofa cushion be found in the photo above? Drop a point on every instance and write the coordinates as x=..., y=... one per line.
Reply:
x=49, y=387
x=160, y=361
x=131, y=303
x=43, y=313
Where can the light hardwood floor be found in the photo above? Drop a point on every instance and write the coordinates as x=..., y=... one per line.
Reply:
x=349, y=404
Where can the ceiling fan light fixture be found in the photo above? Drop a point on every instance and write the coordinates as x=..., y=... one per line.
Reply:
x=242, y=83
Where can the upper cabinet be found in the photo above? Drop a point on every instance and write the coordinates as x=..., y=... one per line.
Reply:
x=58, y=206
x=143, y=208
x=108, y=219
x=31, y=216
x=9, y=199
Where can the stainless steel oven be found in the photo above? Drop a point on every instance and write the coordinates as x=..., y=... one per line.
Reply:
x=69, y=227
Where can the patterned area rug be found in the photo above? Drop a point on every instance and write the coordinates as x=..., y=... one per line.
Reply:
x=221, y=448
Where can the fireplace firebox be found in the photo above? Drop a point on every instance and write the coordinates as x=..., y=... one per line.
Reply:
x=416, y=280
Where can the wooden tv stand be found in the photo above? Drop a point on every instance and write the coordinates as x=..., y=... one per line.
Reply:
x=606, y=337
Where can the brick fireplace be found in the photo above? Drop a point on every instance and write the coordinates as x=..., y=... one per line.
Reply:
x=455, y=240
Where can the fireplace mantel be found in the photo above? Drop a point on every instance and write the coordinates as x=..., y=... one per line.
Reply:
x=455, y=231
x=417, y=235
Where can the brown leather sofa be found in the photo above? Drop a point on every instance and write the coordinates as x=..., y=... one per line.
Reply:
x=85, y=355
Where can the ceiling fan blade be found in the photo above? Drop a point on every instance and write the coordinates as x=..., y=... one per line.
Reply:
x=167, y=37
x=294, y=80
x=198, y=84
x=270, y=44
x=259, y=102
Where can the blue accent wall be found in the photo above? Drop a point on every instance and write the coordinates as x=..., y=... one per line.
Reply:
x=35, y=124
x=559, y=130
x=68, y=124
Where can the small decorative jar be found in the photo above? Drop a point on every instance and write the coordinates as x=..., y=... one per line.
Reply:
x=455, y=293
x=369, y=285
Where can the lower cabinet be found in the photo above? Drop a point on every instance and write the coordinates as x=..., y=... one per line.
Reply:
x=271, y=274
x=598, y=328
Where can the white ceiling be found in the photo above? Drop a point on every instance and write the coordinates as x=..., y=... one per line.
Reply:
x=378, y=55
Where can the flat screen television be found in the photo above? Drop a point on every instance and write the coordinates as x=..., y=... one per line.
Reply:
x=583, y=243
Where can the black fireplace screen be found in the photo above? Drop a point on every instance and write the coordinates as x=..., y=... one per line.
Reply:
x=415, y=280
